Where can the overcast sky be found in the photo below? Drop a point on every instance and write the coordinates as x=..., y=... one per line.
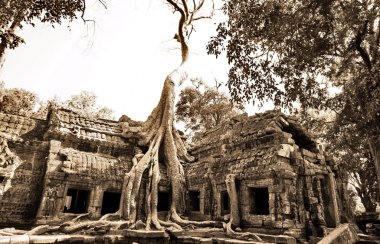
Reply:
x=124, y=61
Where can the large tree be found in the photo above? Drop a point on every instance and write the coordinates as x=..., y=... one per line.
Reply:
x=17, y=101
x=14, y=14
x=350, y=149
x=292, y=51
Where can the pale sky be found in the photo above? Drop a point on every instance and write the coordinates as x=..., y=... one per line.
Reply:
x=124, y=61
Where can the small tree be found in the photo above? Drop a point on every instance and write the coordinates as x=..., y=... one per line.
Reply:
x=84, y=104
x=17, y=101
x=202, y=110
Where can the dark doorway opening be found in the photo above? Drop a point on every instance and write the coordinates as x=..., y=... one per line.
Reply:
x=111, y=202
x=225, y=202
x=194, y=201
x=259, y=201
x=76, y=201
x=163, y=201
x=2, y=178
x=327, y=203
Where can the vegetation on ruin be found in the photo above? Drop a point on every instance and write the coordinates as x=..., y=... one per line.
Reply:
x=158, y=137
x=266, y=43
x=202, y=108
x=351, y=150
x=295, y=51
x=23, y=102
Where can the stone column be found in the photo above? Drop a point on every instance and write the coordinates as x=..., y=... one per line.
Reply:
x=334, y=198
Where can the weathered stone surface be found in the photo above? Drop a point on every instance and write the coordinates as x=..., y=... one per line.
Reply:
x=343, y=234
x=279, y=170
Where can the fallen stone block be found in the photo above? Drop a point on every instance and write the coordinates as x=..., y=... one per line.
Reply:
x=343, y=234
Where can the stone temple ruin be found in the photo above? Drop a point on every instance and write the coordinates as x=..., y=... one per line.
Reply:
x=52, y=170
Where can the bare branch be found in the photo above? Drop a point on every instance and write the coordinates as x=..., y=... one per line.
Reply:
x=103, y=3
x=181, y=37
x=185, y=8
x=196, y=10
x=357, y=45
x=176, y=6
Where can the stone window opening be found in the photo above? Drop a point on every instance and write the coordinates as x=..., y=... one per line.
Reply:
x=194, y=197
x=2, y=178
x=259, y=201
x=163, y=201
x=76, y=201
x=111, y=202
x=225, y=202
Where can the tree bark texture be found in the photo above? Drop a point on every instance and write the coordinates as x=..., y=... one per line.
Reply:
x=12, y=28
x=374, y=146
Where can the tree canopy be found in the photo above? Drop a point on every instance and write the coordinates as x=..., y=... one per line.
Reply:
x=202, y=108
x=294, y=51
x=287, y=51
x=14, y=14
x=17, y=100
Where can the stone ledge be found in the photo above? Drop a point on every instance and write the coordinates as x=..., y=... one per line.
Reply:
x=343, y=234
x=145, y=234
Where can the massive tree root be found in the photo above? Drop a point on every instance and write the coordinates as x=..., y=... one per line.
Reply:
x=164, y=146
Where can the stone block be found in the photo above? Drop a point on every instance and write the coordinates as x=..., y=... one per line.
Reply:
x=49, y=239
x=146, y=234
x=345, y=233
x=19, y=239
x=308, y=153
x=5, y=240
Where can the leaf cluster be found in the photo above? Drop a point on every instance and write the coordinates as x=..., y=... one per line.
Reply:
x=202, y=110
x=292, y=51
x=16, y=13
x=17, y=101
x=351, y=151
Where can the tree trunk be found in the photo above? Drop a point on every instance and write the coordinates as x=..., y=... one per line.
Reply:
x=234, y=204
x=12, y=28
x=374, y=146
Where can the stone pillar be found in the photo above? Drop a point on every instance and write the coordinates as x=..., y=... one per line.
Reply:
x=95, y=206
x=52, y=165
x=334, y=198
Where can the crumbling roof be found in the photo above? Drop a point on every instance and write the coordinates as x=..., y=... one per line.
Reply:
x=242, y=128
x=14, y=126
x=68, y=121
x=247, y=146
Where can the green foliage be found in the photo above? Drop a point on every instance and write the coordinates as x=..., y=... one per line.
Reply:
x=23, y=102
x=294, y=50
x=202, y=109
x=17, y=101
x=350, y=149
x=83, y=103
x=286, y=51
x=16, y=13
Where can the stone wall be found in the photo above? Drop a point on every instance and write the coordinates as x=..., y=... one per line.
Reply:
x=271, y=156
x=22, y=168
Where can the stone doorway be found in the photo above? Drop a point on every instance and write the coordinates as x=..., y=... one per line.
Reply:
x=111, y=202
x=259, y=200
x=225, y=202
x=76, y=201
x=163, y=201
x=194, y=203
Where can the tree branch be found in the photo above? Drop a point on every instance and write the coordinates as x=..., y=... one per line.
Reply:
x=357, y=44
x=181, y=37
x=185, y=8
